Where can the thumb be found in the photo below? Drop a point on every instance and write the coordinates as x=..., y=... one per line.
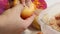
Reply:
x=30, y=20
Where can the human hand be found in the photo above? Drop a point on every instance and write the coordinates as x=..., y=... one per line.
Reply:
x=12, y=23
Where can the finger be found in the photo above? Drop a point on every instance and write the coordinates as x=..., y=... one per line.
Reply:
x=28, y=2
x=29, y=20
x=15, y=10
x=16, y=2
x=18, y=8
x=23, y=2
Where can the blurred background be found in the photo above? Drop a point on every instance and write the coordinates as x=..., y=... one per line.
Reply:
x=34, y=28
